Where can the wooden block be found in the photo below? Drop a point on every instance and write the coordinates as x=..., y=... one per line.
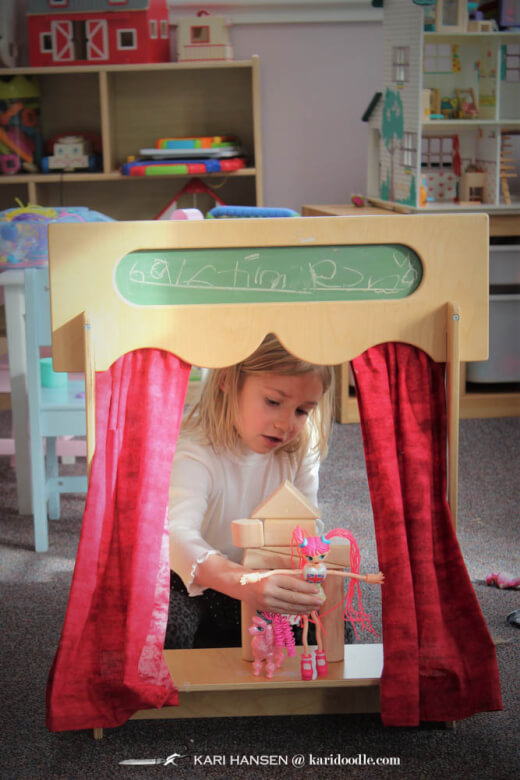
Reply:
x=246, y=618
x=280, y=558
x=247, y=532
x=333, y=623
x=286, y=501
x=338, y=557
x=278, y=531
x=262, y=558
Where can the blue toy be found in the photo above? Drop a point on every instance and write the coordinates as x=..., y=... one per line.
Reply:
x=233, y=212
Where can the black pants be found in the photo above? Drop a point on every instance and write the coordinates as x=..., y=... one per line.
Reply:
x=212, y=620
x=209, y=620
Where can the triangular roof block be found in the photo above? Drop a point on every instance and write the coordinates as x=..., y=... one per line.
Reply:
x=286, y=502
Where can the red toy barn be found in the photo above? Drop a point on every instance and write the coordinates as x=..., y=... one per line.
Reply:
x=84, y=32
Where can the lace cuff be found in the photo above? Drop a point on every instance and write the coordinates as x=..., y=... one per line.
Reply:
x=192, y=588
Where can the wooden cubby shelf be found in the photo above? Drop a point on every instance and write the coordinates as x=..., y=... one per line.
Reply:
x=130, y=107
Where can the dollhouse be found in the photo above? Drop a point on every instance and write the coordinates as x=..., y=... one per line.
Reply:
x=203, y=37
x=80, y=32
x=444, y=130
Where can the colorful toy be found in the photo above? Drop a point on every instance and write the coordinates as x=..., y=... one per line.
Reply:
x=194, y=187
x=358, y=201
x=312, y=553
x=203, y=37
x=206, y=144
x=185, y=214
x=503, y=579
x=187, y=155
x=181, y=167
x=75, y=33
x=20, y=139
x=23, y=232
x=424, y=192
x=236, y=212
x=70, y=153
x=264, y=644
x=467, y=104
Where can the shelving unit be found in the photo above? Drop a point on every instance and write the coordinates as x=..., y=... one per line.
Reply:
x=130, y=107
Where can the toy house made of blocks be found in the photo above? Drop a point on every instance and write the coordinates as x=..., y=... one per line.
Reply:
x=266, y=539
x=444, y=130
x=83, y=32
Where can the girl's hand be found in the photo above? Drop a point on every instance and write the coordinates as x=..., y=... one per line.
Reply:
x=376, y=579
x=283, y=593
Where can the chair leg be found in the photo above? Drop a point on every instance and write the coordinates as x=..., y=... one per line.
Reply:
x=39, y=494
x=51, y=467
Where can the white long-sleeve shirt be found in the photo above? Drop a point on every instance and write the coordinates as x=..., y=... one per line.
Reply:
x=208, y=490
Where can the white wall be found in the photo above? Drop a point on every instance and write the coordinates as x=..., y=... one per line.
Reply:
x=316, y=82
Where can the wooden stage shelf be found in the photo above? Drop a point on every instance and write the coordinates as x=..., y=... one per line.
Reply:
x=219, y=683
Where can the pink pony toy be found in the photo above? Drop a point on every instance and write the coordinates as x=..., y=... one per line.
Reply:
x=312, y=552
x=264, y=645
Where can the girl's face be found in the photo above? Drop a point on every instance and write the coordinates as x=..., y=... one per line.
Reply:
x=272, y=409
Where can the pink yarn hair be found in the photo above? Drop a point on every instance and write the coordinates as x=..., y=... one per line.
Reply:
x=320, y=545
x=283, y=633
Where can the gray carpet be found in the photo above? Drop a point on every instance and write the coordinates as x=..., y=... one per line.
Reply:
x=33, y=601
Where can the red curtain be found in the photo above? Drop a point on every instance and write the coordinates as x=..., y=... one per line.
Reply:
x=109, y=662
x=439, y=659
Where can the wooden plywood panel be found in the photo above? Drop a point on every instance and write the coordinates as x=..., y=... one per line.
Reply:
x=218, y=683
x=453, y=248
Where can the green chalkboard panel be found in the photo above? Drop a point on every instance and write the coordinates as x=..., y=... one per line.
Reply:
x=267, y=274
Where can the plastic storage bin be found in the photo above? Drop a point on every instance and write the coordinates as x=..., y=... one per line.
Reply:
x=504, y=264
x=504, y=339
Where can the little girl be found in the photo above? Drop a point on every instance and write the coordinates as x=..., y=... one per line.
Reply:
x=257, y=423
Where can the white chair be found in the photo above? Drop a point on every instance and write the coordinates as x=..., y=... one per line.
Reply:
x=53, y=411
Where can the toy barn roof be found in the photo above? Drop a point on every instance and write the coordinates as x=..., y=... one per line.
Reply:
x=85, y=6
x=286, y=502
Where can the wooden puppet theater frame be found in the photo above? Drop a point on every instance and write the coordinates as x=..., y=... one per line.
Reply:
x=405, y=298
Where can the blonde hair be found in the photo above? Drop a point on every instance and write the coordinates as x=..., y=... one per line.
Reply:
x=215, y=412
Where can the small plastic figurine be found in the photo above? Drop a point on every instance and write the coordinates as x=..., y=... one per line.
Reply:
x=312, y=553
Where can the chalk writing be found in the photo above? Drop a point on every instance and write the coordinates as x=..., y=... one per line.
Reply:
x=258, y=275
